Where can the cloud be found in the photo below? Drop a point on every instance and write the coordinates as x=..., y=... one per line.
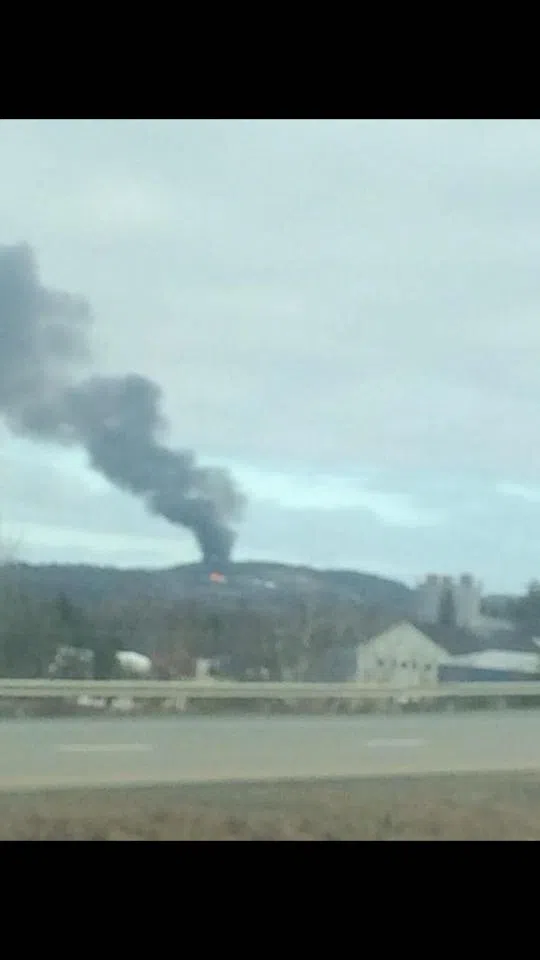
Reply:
x=330, y=494
x=40, y=543
x=116, y=206
x=519, y=492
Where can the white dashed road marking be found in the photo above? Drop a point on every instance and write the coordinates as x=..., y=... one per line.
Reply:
x=103, y=747
x=375, y=744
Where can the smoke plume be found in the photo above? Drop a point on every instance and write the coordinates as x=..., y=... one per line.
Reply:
x=44, y=348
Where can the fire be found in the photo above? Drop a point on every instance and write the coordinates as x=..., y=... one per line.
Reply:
x=218, y=577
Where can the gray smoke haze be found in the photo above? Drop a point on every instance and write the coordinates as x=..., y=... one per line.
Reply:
x=44, y=346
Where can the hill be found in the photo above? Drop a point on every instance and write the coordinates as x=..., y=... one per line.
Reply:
x=91, y=585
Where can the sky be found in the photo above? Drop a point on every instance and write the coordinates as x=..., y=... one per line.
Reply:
x=345, y=313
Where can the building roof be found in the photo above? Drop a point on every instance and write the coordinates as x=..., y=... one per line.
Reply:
x=506, y=660
x=456, y=640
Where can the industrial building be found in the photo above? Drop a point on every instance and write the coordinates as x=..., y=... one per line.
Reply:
x=442, y=599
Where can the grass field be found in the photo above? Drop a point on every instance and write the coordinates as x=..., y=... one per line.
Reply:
x=495, y=807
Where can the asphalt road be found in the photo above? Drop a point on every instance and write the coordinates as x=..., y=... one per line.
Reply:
x=106, y=752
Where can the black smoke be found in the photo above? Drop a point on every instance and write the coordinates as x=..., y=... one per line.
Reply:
x=44, y=348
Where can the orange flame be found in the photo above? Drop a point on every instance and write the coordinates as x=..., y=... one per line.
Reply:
x=217, y=578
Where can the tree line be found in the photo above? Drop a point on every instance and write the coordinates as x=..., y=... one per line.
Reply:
x=276, y=640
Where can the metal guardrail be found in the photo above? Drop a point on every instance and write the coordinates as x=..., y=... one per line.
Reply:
x=222, y=690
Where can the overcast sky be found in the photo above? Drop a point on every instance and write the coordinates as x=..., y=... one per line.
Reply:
x=346, y=313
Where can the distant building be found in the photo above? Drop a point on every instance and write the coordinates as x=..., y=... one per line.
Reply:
x=401, y=656
x=427, y=599
x=437, y=595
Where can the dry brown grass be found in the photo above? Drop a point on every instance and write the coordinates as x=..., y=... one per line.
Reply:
x=437, y=808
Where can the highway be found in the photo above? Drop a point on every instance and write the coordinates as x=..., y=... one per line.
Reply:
x=47, y=754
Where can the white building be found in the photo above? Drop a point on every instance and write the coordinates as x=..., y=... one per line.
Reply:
x=401, y=656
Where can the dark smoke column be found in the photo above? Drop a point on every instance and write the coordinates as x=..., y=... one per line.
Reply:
x=117, y=420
